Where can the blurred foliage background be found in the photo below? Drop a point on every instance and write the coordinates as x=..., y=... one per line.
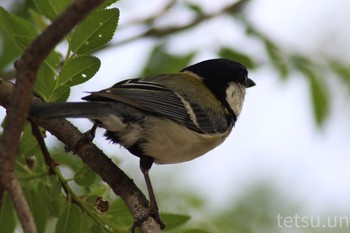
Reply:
x=165, y=36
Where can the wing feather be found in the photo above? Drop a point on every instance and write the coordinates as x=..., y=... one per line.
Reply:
x=156, y=99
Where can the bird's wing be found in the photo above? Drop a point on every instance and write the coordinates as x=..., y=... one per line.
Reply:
x=156, y=99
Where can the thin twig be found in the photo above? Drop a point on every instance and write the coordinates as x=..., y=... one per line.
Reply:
x=50, y=162
x=149, y=19
x=27, y=67
x=167, y=31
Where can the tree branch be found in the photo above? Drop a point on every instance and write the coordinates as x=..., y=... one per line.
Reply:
x=161, y=32
x=120, y=183
x=27, y=67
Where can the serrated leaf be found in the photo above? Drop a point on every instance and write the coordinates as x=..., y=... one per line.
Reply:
x=95, y=31
x=45, y=83
x=118, y=217
x=174, y=220
x=85, y=176
x=78, y=70
x=73, y=162
x=9, y=51
x=237, y=56
x=19, y=30
x=56, y=199
x=28, y=145
x=7, y=215
x=55, y=190
x=60, y=94
x=38, y=19
x=21, y=33
x=38, y=205
x=51, y=8
x=70, y=220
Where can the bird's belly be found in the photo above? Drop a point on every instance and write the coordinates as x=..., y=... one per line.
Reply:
x=172, y=143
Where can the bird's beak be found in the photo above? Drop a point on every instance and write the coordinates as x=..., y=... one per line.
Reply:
x=249, y=83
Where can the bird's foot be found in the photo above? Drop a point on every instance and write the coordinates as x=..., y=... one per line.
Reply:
x=88, y=136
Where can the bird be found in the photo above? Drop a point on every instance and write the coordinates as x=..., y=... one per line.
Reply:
x=167, y=118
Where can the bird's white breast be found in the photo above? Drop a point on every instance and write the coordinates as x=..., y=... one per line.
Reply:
x=170, y=142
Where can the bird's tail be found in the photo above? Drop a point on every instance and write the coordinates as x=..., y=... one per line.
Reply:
x=70, y=109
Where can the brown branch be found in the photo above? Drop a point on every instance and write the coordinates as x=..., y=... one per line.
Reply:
x=120, y=183
x=155, y=32
x=149, y=19
x=50, y=162
x=27, y=67
x=162, y=32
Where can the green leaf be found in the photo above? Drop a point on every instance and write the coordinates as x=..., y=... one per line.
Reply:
x=319, y=97
x=85, y=176
x=107, y=3
x=9, y=51
x=56, y=199
x=118, y=217
x=51, y=8
x=45, y=83
x=38, y=204
x=7, y=215
x=276, y=58
x=20, y=31
x=60, y=94
x=95, y=31
x=319, y=94
x=97, y=229
x=342, y=70
x=161, y=61
x=38, y=19
x=70, y=220
x=237, y=56
x=63, y=158
x=78, y=70
x=28, y=145
x=195, y=231
x=174, y=220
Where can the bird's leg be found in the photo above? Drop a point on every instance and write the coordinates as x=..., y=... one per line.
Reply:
x=153, y=211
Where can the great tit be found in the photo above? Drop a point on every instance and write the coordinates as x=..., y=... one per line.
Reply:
x=167, y=118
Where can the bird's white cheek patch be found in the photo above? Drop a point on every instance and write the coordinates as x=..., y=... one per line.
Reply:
x=235, y=96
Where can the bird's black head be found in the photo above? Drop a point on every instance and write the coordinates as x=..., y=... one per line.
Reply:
x=219, y=75
x=221, y=71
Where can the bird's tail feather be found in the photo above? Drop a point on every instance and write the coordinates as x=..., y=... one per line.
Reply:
x=70, y=109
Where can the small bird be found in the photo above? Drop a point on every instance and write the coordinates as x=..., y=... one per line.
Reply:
x=167, y=118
